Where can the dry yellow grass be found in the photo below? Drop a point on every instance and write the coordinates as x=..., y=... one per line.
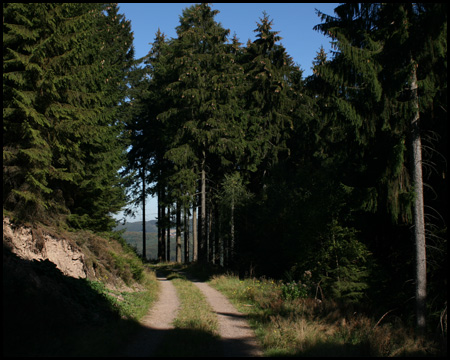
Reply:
x=196, y=326
x=195, y=313
x=307, y=327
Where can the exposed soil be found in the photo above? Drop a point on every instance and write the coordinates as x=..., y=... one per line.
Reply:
x=237, y=338
x=36, y=243
x=54, y=254
x=157, y=321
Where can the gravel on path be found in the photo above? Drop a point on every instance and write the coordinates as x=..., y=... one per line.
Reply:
x=157, y=321
x=237, y=337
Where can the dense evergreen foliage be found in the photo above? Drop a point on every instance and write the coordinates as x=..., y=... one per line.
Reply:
x=64, y=72
x=272, y=174
x=292, y=174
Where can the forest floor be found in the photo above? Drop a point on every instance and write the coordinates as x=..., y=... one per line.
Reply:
x=235, y=335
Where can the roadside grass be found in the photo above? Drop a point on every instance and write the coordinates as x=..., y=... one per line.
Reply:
x=132, y=305
x=46, y=313
x=308, y=327
x=112, y=337
x=196, y=326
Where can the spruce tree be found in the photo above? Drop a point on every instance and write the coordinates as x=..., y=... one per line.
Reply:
x=33, y=73
x=267, y=103
x=61, y=88
x=102, y=189
x=374, y=71
x=204, y=111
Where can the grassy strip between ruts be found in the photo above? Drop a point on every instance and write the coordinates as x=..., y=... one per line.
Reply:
x=196, y=326
x=307, y=327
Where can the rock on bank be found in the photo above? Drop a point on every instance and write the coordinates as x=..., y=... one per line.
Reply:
x=31, y=243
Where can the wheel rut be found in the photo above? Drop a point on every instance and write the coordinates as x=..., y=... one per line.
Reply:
x=237, y=339
x=157, y=321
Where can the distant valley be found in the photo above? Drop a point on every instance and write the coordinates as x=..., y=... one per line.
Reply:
x=150, y=226
x=133, y=237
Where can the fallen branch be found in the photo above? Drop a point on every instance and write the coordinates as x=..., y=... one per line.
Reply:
x=383, y=318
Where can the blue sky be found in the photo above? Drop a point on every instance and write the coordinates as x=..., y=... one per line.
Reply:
x=294, y=21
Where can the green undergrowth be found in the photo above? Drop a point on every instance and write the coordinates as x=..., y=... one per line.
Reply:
x=128, y=307
x=129, y=304
x=46, y=313
x=298, y=326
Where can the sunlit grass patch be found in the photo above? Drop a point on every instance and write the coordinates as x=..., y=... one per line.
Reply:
x=195, y=313
x=130, y=304
x=298, y=326
x=196, y=325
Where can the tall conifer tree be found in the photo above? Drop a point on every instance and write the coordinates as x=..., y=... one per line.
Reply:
x=61, y=90
x=268, y=106
x=376, y=101
x=204, y=110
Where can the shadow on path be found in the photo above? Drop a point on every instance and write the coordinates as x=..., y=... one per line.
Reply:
x=236, y=336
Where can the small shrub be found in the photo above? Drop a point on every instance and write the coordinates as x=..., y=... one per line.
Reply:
x=294, y=290
x=297, y=289
x=128, y=266
x=136, y=268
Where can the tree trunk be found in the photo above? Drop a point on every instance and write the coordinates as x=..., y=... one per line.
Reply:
x=232, y=242
x=186, y=235
x=160, y=257
x=168, y=234
x=202, y=225
x=178, y=233
x=419, y=217
x=194, y=232
x=217, y=254
x=210, y=238
x=226, y=248
x=144, y=244
x=162, y=223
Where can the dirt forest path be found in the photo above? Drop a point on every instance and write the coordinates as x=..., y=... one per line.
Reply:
x=236, y=335
x=237, y=338
x=157, y=321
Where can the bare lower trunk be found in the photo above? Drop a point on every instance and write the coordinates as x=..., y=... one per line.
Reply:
x=160, y=256
x=144, y=233
x=217, y=254
x=163, y=231
x=202, y=233
x=419, y=218
x=194, y=232
x=168, y=234
x=232, y=244
x=210, y=235
x=178, y=234
x=186, y=235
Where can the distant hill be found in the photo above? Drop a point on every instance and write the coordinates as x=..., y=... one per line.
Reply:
x=150, y=226
x=133, y=236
